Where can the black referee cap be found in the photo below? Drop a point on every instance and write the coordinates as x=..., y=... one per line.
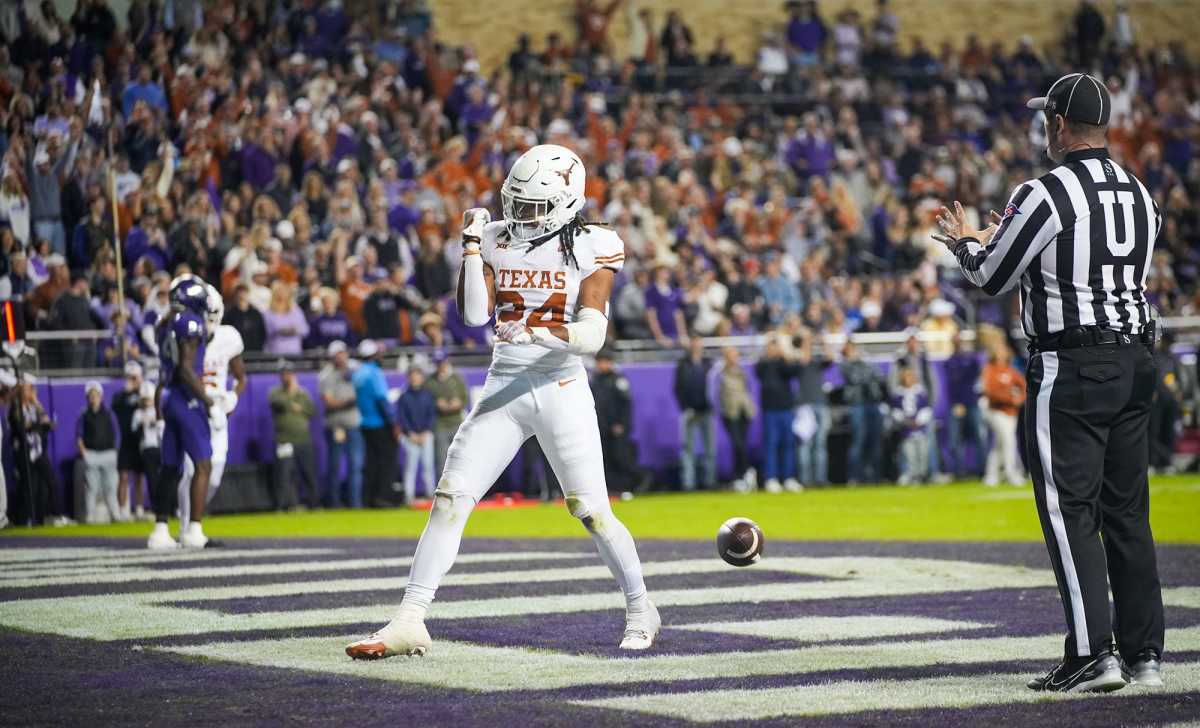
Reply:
x=1078, y=97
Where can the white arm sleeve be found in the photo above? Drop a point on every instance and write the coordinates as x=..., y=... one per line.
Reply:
x=585, y=335
x=475, y=295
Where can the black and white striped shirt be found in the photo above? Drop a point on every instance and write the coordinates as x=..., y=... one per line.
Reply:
x=1079, y=240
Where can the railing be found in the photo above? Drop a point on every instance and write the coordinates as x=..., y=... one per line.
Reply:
x=39, y=357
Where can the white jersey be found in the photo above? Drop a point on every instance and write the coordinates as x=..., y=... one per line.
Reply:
x=536, y=286
x=224, y=346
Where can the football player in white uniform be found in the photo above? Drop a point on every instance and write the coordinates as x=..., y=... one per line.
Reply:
x=222, y=357
x=548, y=276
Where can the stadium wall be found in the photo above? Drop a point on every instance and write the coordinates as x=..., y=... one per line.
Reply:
x=493, y=34
x=655, y=427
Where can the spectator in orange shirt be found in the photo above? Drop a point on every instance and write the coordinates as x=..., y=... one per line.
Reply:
x=354, y=292
x=277, y=267
x=1004, y=390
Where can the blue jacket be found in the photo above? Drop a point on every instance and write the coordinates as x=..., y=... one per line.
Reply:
x=416, y=411
x=371, y=391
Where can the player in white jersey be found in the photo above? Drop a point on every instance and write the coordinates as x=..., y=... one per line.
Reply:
x=222, y=357
x=548, y=276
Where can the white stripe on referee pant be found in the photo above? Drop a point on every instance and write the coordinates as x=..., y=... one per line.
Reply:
x=1049, y=372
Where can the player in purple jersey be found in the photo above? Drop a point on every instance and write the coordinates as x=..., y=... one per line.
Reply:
x=183, y=410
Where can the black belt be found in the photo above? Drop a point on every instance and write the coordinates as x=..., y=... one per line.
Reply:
x=1078, y=337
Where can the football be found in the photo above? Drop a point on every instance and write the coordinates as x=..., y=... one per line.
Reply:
x=740, y=541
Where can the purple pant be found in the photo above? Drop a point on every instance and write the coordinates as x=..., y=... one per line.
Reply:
x=186, y=430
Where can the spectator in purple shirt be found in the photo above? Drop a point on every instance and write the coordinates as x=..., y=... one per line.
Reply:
x=330, y=324
x=404, y=215
x=460, y=333
x=664, y=309
x=476, y=112
x=805, y=33
x=286, y=325
x=258, y=166
x=911, y=415
x=810, y=152
x=148, y=240
x=962, y=370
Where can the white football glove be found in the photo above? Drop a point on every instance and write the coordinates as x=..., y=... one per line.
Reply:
x=229, y=401
x=473, y=222
x=514, y=332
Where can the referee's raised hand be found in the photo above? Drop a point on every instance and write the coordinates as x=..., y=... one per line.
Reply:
x=954, y=226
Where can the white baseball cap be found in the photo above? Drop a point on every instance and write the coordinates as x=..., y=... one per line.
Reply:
x=367, y=349
x=336, y=347
x=93, y=386
x=941, y=307
x=285, y=230
x=133, y=369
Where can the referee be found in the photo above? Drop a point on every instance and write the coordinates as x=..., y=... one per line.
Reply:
x=1078, y=240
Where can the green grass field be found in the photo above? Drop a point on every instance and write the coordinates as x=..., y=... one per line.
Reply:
x=956, y=512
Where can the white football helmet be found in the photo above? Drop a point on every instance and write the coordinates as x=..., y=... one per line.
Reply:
x=215, y=311
x=543, y=192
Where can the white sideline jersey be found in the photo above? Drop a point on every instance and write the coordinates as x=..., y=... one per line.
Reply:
x=536, y=286
x=225, y=345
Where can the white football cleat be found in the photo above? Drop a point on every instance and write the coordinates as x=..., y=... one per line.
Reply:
x=399, y=637
x=160, y=539
x=641, y=628
x=792, y=485
x=194, y=538
x=772, y=486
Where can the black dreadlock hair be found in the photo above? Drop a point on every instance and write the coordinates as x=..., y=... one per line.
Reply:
x=566, y=237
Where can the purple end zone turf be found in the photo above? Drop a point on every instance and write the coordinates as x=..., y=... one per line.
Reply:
x=70, y=682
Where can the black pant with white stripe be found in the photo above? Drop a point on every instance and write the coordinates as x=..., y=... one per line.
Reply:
x=1087, y=420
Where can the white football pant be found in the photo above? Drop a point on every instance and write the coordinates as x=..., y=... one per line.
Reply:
x=220, y=448
x=558, y=409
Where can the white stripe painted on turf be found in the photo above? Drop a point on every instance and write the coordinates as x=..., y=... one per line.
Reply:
x=114, y=558
x=1182, y=596
x=482, y=578
x=1057, y=525
x=840, y=568
x=118, y=575
x=850, y=577
x=849, y=696
x=463, y=666
x=149, y=614
x=21, y=554
x=835, y=629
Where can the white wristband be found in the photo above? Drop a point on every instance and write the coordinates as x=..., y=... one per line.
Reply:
x=475, y=295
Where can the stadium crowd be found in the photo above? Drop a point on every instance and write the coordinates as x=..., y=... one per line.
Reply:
x=315, y=165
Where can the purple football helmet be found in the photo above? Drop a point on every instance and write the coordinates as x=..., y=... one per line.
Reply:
x=189, y=292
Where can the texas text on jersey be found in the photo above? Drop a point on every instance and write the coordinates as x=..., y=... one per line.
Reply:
x=536, y=285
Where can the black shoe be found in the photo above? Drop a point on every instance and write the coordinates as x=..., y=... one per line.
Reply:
x=1145, y=669
x=1099, y=674
x=213, y=543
